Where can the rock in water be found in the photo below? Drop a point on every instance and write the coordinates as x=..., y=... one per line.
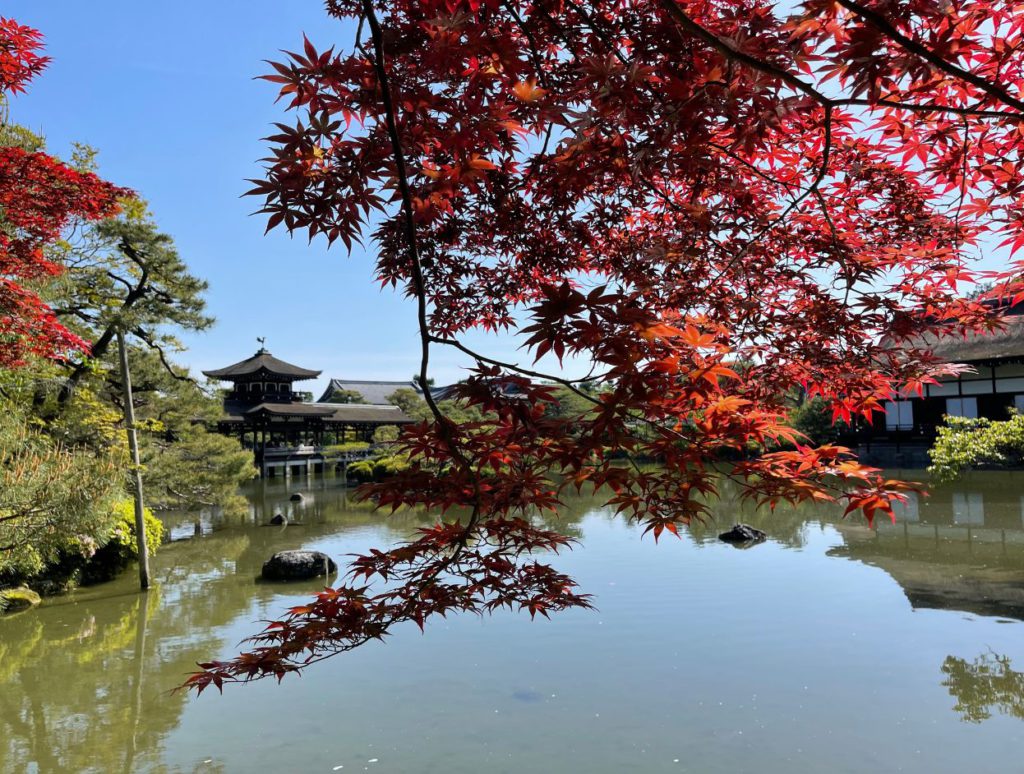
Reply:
x=297, y=497
x=743, y=536
x=278, y=520
x=16, y=600
x=298, y=565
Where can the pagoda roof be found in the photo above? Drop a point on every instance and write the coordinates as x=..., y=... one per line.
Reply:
x=264, y=362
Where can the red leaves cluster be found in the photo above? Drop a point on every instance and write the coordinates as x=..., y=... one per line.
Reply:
x=40, y=197
x=20, y=60
x=717, y=205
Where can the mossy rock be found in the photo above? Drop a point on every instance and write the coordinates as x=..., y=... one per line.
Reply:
x=16, y=600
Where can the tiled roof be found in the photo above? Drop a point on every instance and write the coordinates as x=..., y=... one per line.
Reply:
x=373, y=393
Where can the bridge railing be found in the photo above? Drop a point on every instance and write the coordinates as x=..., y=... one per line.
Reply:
x=279, y=452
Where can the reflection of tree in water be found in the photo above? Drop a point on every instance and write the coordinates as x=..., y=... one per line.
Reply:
x=85, y=682
x=72, y=699
x=983, y=685
x=85, y=685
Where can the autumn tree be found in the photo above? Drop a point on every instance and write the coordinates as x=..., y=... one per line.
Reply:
x=81, y=260
x=40, y=198
x=664, y=189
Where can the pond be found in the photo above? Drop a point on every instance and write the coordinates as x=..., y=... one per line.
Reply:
x=831, y=647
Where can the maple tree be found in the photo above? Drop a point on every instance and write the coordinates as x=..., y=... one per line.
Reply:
x=40, y=197
x=715, y=203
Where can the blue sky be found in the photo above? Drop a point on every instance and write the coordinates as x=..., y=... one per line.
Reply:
x=165, y=92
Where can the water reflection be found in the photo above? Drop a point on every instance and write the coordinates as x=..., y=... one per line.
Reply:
x=57, y=711
x=986, y=684
x=84, y=681
x=961, y=548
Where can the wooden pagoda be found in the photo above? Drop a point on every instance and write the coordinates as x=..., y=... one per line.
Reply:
x=263, y=410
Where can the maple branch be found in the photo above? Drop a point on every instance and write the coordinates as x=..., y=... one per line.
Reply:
x=419, y=284
x=409, y=224
x=537, y=62
x=926, y=107
x=567, y=383
x=752, y=167
x=963, y=181
x=828, y=219
x=534, y=48
x=612, y=48
x=733, y=53
x=813, y=188
x=883, y=25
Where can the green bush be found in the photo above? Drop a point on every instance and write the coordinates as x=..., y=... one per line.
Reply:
x=348, y=446
x=377, y=469
x=124, y=538
x=964, y=443
x=85, y=561
x=360, y=472
x=386, y=434
x=123, y=546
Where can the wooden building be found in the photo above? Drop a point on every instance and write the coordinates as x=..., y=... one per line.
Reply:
x=993, y=385
x=263, y=410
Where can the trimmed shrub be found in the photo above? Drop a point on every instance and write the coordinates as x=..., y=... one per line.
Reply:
x=964, y=443
x=377, y=469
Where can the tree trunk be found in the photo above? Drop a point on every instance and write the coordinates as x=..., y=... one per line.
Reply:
x=133, y=446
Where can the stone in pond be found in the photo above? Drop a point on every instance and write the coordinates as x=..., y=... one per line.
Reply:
x=298, y=565
x=277, y=520
x=16, y=600
x=743, y=536
x=297, y=497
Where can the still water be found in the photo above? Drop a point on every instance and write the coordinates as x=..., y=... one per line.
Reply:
x=832, y=647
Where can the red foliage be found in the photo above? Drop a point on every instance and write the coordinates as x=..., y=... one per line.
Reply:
x=20, y=60
x=39, y=198
x=715, y=204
